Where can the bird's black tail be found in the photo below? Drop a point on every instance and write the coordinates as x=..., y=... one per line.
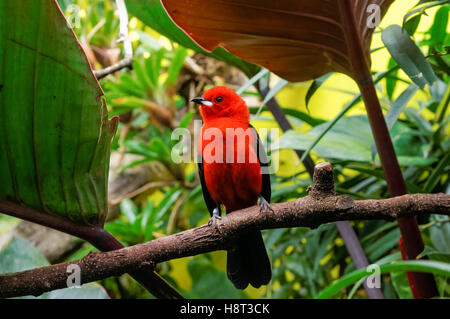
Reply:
x=248, y=263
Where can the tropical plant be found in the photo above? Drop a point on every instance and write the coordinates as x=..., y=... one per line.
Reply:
x=55, y=141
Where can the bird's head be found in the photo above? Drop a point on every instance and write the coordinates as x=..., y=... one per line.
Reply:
x=220, y=102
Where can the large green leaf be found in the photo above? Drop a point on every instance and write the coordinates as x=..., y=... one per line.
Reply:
x=152, y=13
x=17, y=254
x=54, y=130
x=354, y=144
x=406, y=53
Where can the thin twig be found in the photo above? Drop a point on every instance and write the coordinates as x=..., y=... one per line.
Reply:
x=174, y=214
x=94, y=30
x=143, y=189
x=125, y=63
x=434, y=222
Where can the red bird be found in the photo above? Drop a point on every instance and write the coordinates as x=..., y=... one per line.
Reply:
x=232, y=175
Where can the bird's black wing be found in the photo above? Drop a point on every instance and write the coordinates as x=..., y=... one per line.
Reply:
x=262, y=158
x=208, y=200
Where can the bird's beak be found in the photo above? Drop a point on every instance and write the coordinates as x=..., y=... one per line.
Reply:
x=202, y=101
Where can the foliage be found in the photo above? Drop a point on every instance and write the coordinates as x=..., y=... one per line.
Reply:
x=282, y=38
x=17, y=254
x=152, y=13
x=306, y=263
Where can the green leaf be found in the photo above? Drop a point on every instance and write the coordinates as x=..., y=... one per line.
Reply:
x=206, y=279
x=408, y=56
x=154, y=65
x=274, y=90
x=399, y=105
x=396, y=109
x=411, y=25
x=314, y=86
x=419, y=9
x=90, y=290
x=294, y=113
x=391, y=81
x=355, y=288
x=413, y=115
x=440, y=235
x=273, y=236
x=129, y=209
x=443, y=105
x=438, y=30
x=139, y=147
x=353, y=144
x=54, y=134
x=437, y=174
x=187, y=118
x=336, y=144
x=323, y=246
x=142, y=77
x=263, y=72
x=412, y=188
x=126, y=85
x=434, y=254
x=150, y=42
x=17, y=254
x=176, y=65
x=148, y=224
x=436, y=2
x=434, y=267
x=401, y=285
x=356, y=98
x=169, y=199
x=153, y=14
x=383, y=245
x=442, y=65
x=328, y=126
x=63, y=4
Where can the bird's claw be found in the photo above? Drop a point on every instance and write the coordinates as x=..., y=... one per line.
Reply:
x=213, y=220
x=264, y=206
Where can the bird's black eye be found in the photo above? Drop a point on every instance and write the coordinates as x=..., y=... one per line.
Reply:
x=219, y=99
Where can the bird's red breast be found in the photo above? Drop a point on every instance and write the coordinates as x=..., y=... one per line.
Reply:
x=230, y=175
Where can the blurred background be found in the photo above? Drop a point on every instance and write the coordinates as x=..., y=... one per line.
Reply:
x=151, y=196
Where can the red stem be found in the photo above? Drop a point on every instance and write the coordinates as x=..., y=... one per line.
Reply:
x=409, y=275
x=425, y=285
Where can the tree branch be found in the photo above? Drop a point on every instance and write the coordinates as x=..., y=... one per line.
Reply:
x=321, y=206
x=98, y=237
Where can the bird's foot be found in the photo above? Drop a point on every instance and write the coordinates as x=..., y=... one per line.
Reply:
x=264, y=206
x=215, y=216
